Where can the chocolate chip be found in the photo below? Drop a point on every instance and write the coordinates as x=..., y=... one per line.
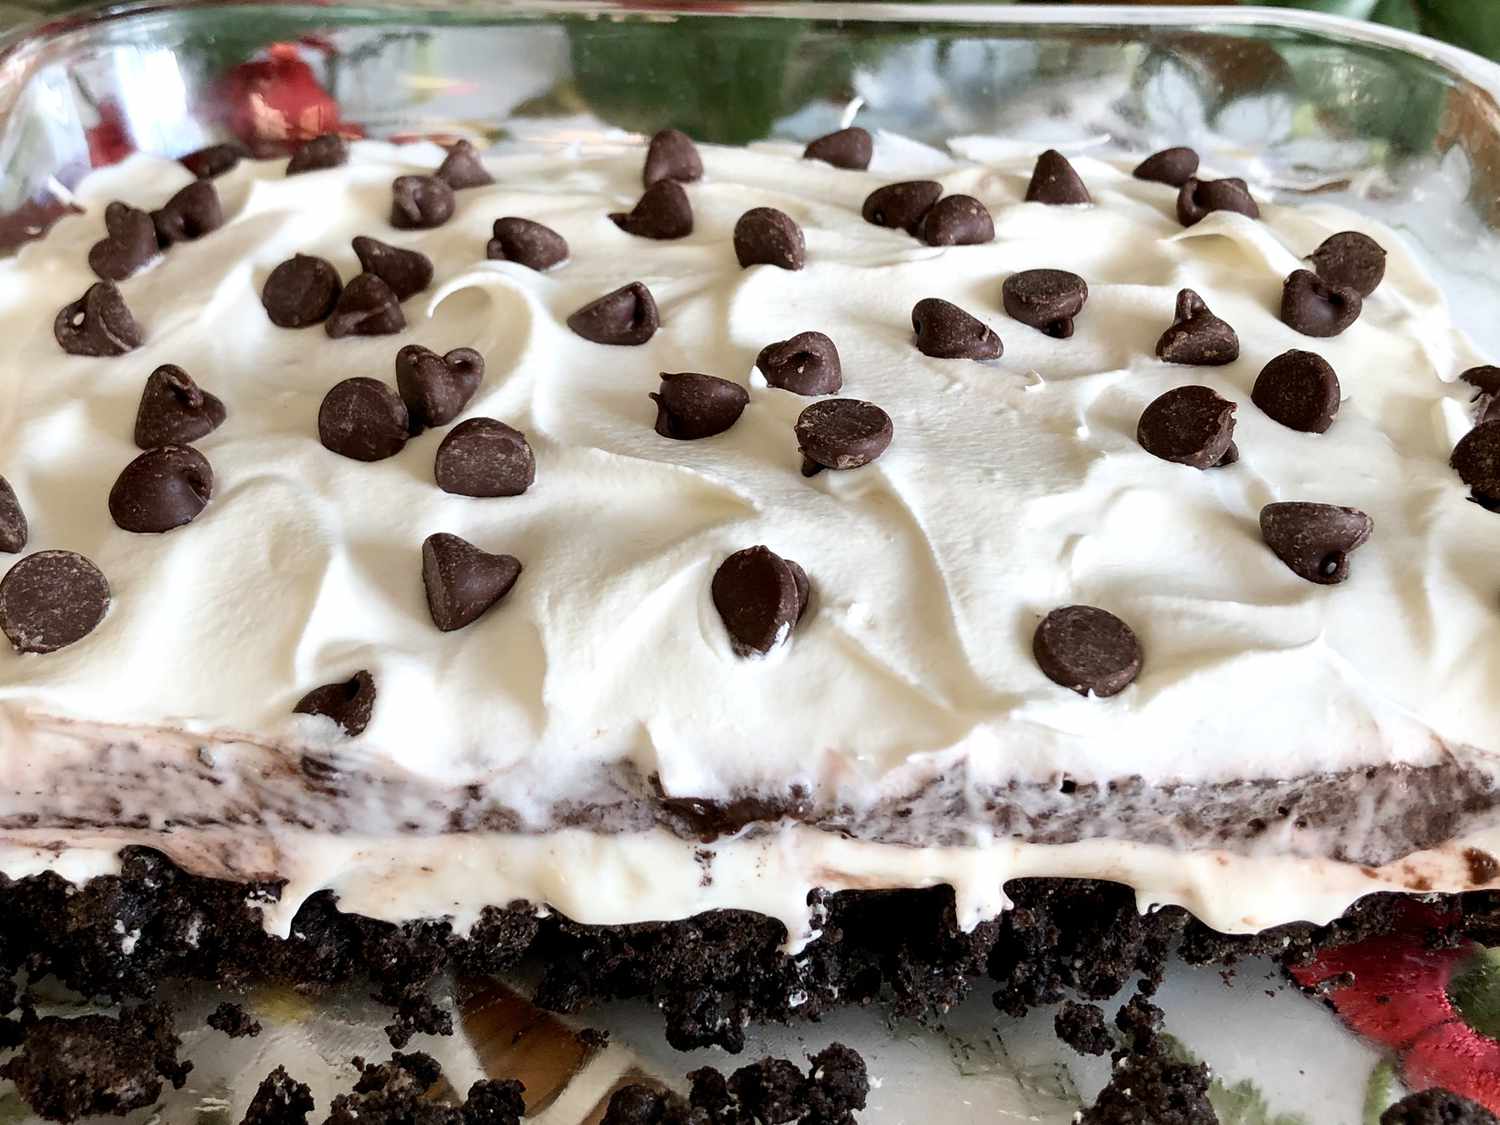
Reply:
x=530, y=244
x=484, y=457
x=1197, y=336
x=1198, y=197
x=1189, y=425
x=662, y=212
x=327, y=151
x=672, y=156
x=349, y=702
x=435, y=387
x=766, y=236
x=13, y=528
x=1055, y=181
x=300, y=291
x=691, y=406
x=1047, y=300
x=420, y=202
x=626, y=316
x=807, y=364
x=841, y=433
x=51, y=599
x=364, y=419
x=902, y=206
x=462, y=582
x=1477, y=459
x=1485, y=379
x=407, y=272
x=947, y=332
x=174, y=410
x=366, y=307
x=1174, y=166
x=462, y=168
x=129, y=243
x=846, y=148
x=1087, y=650
x=98, y=323
x=760, y=597
x=957, y=220
x=191, y=213
x=165, y=487
x=1315, y=540
x=215, y=160
x=1300, y=390
x=1350, y=259
x=1314, y=308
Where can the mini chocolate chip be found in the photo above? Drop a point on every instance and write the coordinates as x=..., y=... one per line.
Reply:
x=1477, y=459
x=807, y=364
x=435, y=387
x=300, y=291
x=691, y=406
x=327, y=151
x=461, y=581
x=165, y=487
x=846, y=148
x=1350, y=259
x=902, y=206
x=462, y=168
x=1087, y=650
x=1174, y=166
x=1199, y=197
x=366, y=307
x=1197, y=336
x=1055, y=181
x=420, y=202
x=1047, y=300
x=626, y=316
x=98, y=323
x=1314, y=308
x=1485, y=380
x=215, y=160
x=766, y=236
x=349, y=702
x=957, y=220
x=945, y=331
x=13, y=527
x=191, y=213
x=760, y=597
x=662, y=212
x=363, y=419
x=51, y=599
x=1192, y=426
x=1315, y=540
x=174, y=410
x=528, y=243
x=407, y=272
x=841, y=433
x=129, y=242
x=484, y=457
x=671, y=156
x=1300, y=390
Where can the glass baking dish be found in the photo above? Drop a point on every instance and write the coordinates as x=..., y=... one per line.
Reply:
x=1399, y=127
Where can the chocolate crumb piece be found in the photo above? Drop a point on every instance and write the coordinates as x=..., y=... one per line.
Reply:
x=326, y=151
x=636, y=1104
x=13, y=527
x=1191, y=426
x=771, y=1090
x=945, y=331
x=1200, y=197
x=348, y=703
x=1082, y=1027
x=1153, y=1088
x=628, y=316
x=463, y=168
x=461, y=581
x=190, y=214
x=691, y=406
x=1087, y=650
x=51, y=599
x=420, y=202
x=1045, y=299
x=435, y=387
x=1437, y=1107
x=215, y=160
x=957, y=220
x=1477, y=460
x=363, y=419
x=806, y=364
x=839, y=1085
x=234, y=1021
x=174, y=410
x=902, y=206
x=846, y=148
x=841, y=433
x=1172, y=166
x=760, y=597
x=1300, y=390
x=366, y=307
x=484, y=457
x=302, y=290
x=766, y=236
x=663, y=212
x=1197, y=336
x=1350, y=259
x=406, y=272
x=129, y=242
x=395, y=1092
x=494, y=1101
x=1483, y=867
x=1055, y=181
x=1315, y=540
x=671, y=155
x=528, y=243
x=279, y=1100
x=1313, y=307
x=165, y=487
x=97, y=324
